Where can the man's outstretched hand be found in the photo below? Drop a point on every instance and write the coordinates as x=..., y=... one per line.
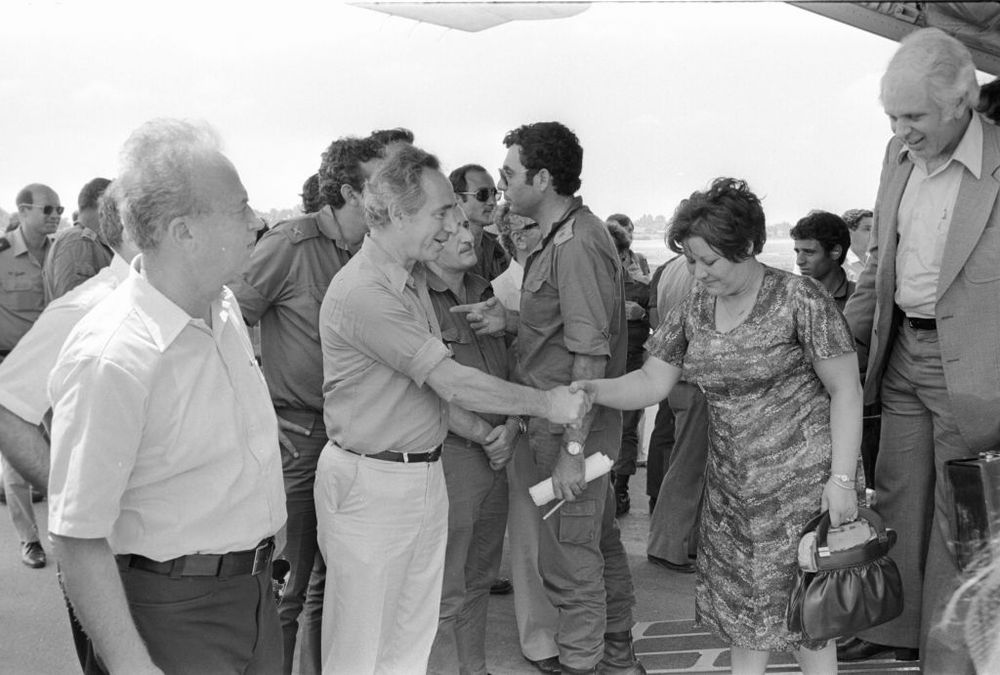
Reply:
x=486, y=318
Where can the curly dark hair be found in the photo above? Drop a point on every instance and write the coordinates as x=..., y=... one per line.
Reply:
x=91, y=192
x=342, y=165
x=386, y=136
x=622, y=220
x=853, y=217
x=827, y=228
x=728, y=216
x=312, y=200
x=551, y=146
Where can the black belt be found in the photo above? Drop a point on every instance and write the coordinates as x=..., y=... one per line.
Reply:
x=405, y=457
x=918, y=323
x=237, y=563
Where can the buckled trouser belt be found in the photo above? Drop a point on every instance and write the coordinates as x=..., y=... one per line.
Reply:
x=236, y=563
x=405, y=457
x=918, y=323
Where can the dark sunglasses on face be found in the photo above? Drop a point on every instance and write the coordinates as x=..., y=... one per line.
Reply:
x=47, y=209
x=482, y=194
x=529, y=226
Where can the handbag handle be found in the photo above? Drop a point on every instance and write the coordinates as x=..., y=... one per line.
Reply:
x=874, y=519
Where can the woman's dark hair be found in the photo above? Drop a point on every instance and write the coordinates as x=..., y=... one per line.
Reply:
x=728, y=216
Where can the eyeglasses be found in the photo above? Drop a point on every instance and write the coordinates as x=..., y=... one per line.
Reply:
x=529, y=226
x=47, y=209
x=482, y=194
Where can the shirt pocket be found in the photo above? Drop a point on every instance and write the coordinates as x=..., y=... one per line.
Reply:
x=539, y=297
x=22, y=293
x=983, y=266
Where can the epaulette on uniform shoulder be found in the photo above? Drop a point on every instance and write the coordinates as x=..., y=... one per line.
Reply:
x=298, y=230
x=564, y=234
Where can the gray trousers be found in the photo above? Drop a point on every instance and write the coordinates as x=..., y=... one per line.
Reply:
x=919, y=434
x=673, y=526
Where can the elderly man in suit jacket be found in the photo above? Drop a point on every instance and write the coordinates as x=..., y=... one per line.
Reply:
x=927, y=312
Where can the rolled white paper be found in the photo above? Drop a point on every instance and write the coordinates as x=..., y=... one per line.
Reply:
x=596, y=465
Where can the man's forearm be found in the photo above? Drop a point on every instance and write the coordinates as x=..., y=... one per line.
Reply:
x=25, y=447
x=513, y=318
x=467, y=425
x=473, y=389
x=585, y=368
x=95, y=589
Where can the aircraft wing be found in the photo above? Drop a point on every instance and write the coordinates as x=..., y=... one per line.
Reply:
x=975, y=24
x=475, y=16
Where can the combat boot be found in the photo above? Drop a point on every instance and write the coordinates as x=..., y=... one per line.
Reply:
x=619, y=655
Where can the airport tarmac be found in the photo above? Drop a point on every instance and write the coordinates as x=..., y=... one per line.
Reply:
x=35, y=636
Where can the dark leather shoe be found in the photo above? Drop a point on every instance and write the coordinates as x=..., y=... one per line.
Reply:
x=501, y=586
x=549, y=665
x=856, y=649
x=33, y=555
x=685, y=568
x=619, y=655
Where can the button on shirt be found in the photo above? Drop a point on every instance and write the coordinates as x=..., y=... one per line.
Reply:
x=164, y=440
x=22, y=293
x=380, y=342
x=24, y=374
x=76, y=254
x=924, y=216
x=283, y=288
x=487, y=353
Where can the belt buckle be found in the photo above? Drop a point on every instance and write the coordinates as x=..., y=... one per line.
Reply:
x=261, y=558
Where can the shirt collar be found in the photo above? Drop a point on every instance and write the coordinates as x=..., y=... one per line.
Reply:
x=326, y=220
x=162, y=318
x=17, y=243
x=119, y=267
x=841, y=290
x=474, y=284
x=392, y=269
x=969, y=150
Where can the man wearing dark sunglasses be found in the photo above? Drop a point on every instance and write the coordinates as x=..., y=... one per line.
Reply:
x=78, y=253
x=477, y=197
x=22, y=299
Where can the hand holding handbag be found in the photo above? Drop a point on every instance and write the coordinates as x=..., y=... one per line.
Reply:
x=850, y=589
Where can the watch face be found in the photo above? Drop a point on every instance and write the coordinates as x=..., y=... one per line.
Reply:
x=574, y=447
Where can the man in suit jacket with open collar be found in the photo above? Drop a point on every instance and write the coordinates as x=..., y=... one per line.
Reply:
x=927, y=314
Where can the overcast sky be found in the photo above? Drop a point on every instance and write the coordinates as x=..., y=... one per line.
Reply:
x=664, y=97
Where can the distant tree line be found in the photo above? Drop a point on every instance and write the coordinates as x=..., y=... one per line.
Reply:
x=654, y=227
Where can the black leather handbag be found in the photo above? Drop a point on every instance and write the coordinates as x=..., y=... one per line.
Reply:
x=850, y=589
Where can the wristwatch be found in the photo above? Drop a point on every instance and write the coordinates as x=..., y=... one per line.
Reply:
x=574, y=448
x=843, y=478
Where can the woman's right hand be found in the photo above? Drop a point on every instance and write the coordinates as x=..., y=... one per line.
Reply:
x=840, y=502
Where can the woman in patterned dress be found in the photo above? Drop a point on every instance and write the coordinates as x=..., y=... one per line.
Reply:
x=776, y=361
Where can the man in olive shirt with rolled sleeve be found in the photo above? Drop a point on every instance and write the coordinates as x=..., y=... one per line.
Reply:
x=283, y=288
x=571, y=326
x=474, y=474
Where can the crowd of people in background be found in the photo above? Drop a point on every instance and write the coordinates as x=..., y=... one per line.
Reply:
x=355, y=401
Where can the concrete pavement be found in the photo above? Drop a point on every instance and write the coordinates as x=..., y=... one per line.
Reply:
x=35, y=636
